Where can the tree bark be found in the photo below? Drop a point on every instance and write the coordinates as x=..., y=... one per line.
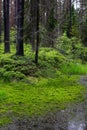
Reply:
x=37, y=29
x=0, y=20
x=12, y=13
x=20, y=23
x=6, y=26
x=33, y=16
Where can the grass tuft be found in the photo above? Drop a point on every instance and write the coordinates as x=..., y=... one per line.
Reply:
x=74, y=68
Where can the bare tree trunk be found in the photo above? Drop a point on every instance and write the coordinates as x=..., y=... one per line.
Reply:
x=0, y=20
x=15, y=11
x=33, y=15
x=37, y=41
x=20, y=23
x=6, y=26
x=12, y=13
x=70, y=19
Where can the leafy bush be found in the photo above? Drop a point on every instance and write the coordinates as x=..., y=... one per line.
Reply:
x=84, y=54
x=51, y=57
x=76, y=47
x=19, y=64
x=11, y=76
x=2, y=71
x=13, y=35
x=69, y=47
x=63, y=44
x=48, y=60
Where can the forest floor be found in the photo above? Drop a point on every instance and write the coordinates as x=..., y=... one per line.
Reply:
x=58, y=120
x=30, y=93
x=18, y=100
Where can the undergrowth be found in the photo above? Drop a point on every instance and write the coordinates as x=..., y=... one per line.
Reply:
x=14, y=67
x=28, y=90
x=19, y=99
x=74, y=68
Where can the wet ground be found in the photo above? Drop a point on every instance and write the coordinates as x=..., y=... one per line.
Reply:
x=73, y=118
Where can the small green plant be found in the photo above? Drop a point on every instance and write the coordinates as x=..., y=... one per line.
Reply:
x=63, y=44
x=13, y=35
x=74, y=68
x=51, y=57
x=11, y=76
x=83, y=55
x=70, y=47
x=3, y=95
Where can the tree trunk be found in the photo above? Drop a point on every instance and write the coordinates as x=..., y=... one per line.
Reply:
x=15, y=12
x=6, y=26
x=70, y=20
x=37, y=40
x=12, y=13
x=20, y=21
x=33, y=16
x=0, y=20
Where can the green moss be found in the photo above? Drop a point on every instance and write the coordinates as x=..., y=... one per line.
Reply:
x=45, y=89
x=3, y=95
x=5, y=120
x=46, y=95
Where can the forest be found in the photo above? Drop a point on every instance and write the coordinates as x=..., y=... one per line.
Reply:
x=43, y=64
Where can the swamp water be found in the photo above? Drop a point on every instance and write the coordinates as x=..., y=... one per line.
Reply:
x=73, y=118
x=77, y=120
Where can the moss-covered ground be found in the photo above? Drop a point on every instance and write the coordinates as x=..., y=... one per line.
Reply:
x=30, y=90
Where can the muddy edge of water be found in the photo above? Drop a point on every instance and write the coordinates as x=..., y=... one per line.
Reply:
x=52, y=121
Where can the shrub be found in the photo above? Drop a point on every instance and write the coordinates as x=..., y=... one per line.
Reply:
x=63, y=44
x=69, y=47
x=76, y=47
x=84, y=54
x=2, y=71
x=51, y=57
x=12, y=76
x=13, y=35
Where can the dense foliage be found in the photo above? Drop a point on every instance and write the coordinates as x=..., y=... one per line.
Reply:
x=43, y=53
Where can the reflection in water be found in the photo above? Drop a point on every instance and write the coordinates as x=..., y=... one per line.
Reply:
x=77, y=119
x=76, y=126
x=72, y=118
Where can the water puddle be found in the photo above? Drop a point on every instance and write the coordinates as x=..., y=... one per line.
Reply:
x=77, y=118
x=73, y=118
